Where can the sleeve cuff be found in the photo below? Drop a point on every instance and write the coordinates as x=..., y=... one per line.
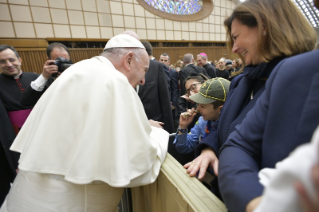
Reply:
x=39, y=83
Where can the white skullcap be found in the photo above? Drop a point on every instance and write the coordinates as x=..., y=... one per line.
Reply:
x=123, y=41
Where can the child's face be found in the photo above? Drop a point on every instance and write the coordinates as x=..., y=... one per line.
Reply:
x=209, y=112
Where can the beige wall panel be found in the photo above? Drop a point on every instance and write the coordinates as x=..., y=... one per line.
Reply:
x=141, y=34
x=216, y=11
x=91, y=19
x=185, y=35
x=199, y=36
x=199, y=27
x=20, y=13
x=139, y=10
x=151, y=34
x=61, y=31
x=169, y=35
x=41, y=14
x=76, y=17
x=217, y=36
x=4, y=14
x=18, y=2
x=93, y=32
x=3, y=1
x=160, y=35
x=117, y=31
x=116, y=7
x=206, y=20
x=9, y=32
x=140, y=23
x=212, y=28
x=223, y=3
x=218, y=20
x=128, y=9
x=130, y=1
x=78, y=31
x=150, y=23
x=168, y=24
x=41, y=3
x=24, y=30
x=223, y=37
x=57, y=4
x=149, y=15
x=211, y=19
x=223, y=12
x=159, y=24
x=217, y=2
x=212, y=36
x=103, y=6
x=177, y=25
x=206, y=36
x=177, y=35
x=74, y=4
x=44, y=30
x=59, y=16
x=105, y=19
x=184, y=26
x=106, y=32
x=192, y=26
x=192, y=36
x=205, y=27
x=89, y=5
x=118, y=21
x=129, y=21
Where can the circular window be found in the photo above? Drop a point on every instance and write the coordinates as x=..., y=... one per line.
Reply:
x=179, y=10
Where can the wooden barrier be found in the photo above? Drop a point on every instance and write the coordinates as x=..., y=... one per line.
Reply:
x=174, y=190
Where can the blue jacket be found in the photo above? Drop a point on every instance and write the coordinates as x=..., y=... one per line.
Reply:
x=186, y=143
x=284, y=117
x=239, y=102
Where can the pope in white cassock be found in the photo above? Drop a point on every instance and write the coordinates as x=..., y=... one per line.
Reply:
x=88, y=136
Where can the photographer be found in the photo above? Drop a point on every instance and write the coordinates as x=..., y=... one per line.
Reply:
x=58, y=55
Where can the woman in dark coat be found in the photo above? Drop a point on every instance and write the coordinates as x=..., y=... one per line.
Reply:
x=261, y=33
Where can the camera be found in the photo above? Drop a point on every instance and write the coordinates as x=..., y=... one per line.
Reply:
x=62, y=64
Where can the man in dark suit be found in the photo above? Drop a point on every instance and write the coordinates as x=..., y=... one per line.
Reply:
x=8, y=159
x=154, y=94
x=188, y=70
x=202, y=62
x=174, y=87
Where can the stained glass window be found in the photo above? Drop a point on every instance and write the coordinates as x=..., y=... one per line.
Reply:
x=177, y=7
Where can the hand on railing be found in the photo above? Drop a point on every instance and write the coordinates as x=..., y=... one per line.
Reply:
x=201, y=163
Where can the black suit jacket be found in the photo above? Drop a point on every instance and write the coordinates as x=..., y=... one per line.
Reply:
x=30, y=97
x=188, y=70
x=8, y=159
x=155, y=96
x=174, y=87
x=211, y=70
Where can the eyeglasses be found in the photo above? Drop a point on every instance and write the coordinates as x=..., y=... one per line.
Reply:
x=192, y=88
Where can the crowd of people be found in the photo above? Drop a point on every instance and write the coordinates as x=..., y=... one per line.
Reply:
x=104, y=123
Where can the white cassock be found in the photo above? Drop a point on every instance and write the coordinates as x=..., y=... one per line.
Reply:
x=280, y=194
x=86, y=139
